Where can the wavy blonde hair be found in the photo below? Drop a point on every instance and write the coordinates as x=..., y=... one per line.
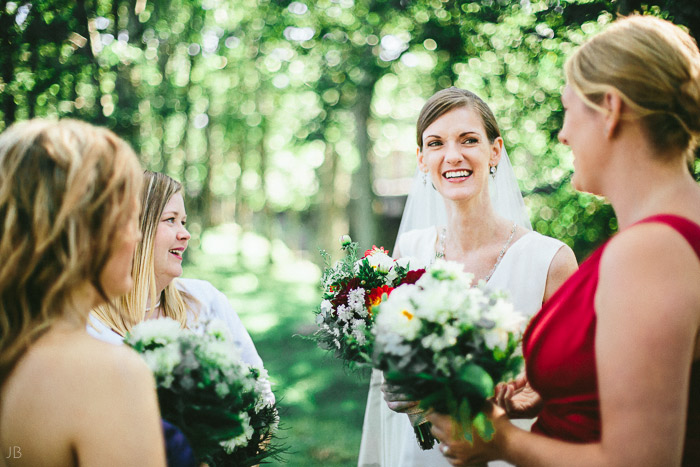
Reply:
x=67, y=188
x=654, y=66
x=130, y=309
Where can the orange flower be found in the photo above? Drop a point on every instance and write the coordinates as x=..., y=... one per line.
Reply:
x=375, y=296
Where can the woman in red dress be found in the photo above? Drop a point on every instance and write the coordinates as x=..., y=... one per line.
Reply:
x=613, y=358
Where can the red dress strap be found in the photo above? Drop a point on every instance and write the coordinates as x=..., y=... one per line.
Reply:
x=687, y=228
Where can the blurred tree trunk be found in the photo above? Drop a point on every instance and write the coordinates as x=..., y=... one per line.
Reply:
x=8, y=57
x=83, y=16
x=267, y=215
x=329, y=210
x=362, y=218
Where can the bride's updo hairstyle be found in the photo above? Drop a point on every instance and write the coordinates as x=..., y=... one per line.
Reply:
x=654, y=66
x=453, y=98
x=67, y=189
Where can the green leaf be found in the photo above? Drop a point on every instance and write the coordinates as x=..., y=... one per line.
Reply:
x=477, y=378
x=483, y=426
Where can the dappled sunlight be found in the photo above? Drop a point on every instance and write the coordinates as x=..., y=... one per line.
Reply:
x=318, y=398
x=260, y=322
x=243, y=283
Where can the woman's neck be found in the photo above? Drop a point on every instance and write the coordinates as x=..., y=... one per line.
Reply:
x=650, y=186
x=471, y=225
x=75, y=314
x=154, y=310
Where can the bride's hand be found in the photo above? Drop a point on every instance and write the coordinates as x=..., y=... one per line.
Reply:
x=397, y=401
x=518, y=398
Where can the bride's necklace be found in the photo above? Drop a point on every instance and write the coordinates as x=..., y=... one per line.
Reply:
x=441, y=251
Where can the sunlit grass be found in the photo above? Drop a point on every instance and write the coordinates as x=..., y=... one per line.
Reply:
x=322, y=405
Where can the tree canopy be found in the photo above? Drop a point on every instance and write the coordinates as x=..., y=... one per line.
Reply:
x=296, y=118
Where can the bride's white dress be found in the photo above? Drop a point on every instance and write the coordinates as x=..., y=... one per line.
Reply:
x=388, y=439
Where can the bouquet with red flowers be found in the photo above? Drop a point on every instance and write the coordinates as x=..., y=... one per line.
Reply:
x=352, y=287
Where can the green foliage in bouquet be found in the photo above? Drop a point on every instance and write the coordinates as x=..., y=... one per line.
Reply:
x=222, y=405
x=446, y=343
x=352, y=289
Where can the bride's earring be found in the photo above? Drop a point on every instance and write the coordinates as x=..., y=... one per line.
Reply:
x=492, y=171
x=425, y=178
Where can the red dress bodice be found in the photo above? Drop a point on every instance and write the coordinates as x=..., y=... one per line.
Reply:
x=559, y=349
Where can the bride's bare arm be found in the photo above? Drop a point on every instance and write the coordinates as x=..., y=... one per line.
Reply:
x=563, y=265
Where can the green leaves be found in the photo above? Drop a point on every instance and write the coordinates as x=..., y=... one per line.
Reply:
x=477, y=379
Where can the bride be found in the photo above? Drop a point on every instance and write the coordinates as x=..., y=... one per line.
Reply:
x=464, y=206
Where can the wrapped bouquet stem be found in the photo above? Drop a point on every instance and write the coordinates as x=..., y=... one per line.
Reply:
x=446, y=343
x=421, y=427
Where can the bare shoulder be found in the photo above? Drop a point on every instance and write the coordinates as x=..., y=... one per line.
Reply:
x=650, y=249
x=563, y=265
x=66, y=387
x=652, y=265
x=69, y=366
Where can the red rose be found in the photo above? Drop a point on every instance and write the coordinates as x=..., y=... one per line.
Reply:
x=412, y=276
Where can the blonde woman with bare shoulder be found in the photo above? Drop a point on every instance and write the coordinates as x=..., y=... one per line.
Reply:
x=68, y=219
x=614, y=354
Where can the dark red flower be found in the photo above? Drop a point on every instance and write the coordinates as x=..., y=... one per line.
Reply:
x=412, y=276
x=342, y=297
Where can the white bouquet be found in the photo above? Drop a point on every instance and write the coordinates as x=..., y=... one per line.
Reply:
x=446, y=343
x=204, y=389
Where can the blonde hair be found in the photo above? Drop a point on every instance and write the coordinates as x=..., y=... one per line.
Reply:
x=654, y=66
x=67, y=188
x=130, y=309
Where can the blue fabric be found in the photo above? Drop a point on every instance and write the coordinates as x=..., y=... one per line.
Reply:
x=177, y=448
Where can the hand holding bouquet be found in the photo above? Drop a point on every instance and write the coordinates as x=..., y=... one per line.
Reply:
x=446, y=343
x=352, y=288
x=217, y=401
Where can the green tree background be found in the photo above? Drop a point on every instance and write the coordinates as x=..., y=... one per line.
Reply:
x=292, y=122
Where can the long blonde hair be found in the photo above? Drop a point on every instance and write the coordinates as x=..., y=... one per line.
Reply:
x=654, y=66
x=67, y=188
x=130, y=309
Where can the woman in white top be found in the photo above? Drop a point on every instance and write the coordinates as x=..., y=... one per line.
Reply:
x=460, y=152
x=158, y=291
x=69, y=226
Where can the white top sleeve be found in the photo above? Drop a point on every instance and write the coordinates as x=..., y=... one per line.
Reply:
x=215, y=305
x=101, y=331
